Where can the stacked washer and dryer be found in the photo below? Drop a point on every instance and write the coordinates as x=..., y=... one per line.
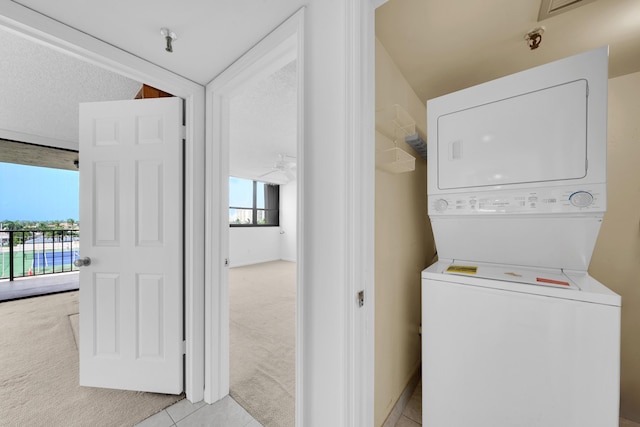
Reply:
x=515, y=331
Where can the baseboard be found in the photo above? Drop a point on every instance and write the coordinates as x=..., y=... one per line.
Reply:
x=253, y=262
x=398, y=408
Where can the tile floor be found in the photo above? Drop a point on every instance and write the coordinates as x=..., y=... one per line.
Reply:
x=224, y=413
x=228, y=413
x=412, y=414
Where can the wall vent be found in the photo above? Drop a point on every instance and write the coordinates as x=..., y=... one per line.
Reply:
x=550, y=8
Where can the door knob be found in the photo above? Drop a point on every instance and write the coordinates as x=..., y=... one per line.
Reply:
x=82, y=262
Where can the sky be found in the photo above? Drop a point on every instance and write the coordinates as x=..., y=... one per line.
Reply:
x=241, y=193
x=31, y=193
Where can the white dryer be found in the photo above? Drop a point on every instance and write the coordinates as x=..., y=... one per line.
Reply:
x=515, y=332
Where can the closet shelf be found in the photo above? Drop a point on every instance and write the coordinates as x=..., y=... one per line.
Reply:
x=394, y=122
x=395, y=160
x=390, y=158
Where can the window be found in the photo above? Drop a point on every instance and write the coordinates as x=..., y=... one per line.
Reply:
x=253, y=203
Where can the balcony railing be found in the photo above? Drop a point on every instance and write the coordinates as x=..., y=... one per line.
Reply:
x=37, y=252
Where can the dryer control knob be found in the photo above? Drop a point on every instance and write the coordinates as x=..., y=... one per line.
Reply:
x=440, y=205
x=581, y=199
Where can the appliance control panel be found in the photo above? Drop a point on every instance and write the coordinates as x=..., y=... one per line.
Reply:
x=547, y=200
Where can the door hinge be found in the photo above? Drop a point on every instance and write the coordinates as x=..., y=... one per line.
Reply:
x=183, y=132
x=184, y=347
x=226, y=262
x=360, y=298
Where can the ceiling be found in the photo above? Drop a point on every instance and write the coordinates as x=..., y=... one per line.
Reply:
x=439, y=46
x=444, y=46
x=40, y=105
x=41, y=91
x=211, y=34
x=263, y=128
x=37, y=155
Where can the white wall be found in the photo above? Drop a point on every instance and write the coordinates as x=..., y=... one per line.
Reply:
x=288, y=236
x=338, y=214
x=253, y=245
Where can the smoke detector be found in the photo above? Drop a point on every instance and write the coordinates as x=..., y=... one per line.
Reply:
x=550, y=8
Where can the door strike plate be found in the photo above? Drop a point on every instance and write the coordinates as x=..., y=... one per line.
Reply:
x=360, y=298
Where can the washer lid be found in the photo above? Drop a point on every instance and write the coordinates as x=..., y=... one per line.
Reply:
x=582, y=286
x=563, y=241
x=551, y=277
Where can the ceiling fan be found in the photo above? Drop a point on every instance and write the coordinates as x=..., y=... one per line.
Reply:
x=284, y=164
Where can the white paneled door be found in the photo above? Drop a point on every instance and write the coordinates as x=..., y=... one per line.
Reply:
x=131, y=204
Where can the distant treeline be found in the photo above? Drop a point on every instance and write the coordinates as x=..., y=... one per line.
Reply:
x=18, y=225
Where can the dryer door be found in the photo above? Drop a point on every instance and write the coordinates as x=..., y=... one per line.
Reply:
x=532, y=137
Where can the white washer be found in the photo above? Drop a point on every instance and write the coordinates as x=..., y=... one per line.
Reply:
x=502, y=353
x=514, y=330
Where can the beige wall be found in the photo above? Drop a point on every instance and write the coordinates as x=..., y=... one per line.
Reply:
x=616, y=259
x=403, y=248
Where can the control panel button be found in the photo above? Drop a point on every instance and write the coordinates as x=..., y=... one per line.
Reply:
x=581, y=199
x=440, y=205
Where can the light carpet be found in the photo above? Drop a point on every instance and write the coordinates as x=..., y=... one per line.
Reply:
x=262, y=324
x=39, y=371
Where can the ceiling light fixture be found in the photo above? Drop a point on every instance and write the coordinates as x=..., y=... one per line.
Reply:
x=170, y=37
x=534, y=37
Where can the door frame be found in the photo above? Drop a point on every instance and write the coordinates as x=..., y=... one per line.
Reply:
x=354, y=389
x=338, y=376
x=53, y=34
x=283, y=44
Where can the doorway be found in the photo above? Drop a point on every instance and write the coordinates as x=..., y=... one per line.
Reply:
x=48, y=35
x=41, y=317
x=336, y=334
x=262, y=244
x=256, y=129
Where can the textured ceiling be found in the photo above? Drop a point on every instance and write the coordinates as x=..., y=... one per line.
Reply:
x=263, y=117
x=40, y=90
x=444, y=46
x=46, y=86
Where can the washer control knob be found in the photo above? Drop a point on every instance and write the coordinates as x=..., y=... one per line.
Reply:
x=440, y=205
x=581, y=199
